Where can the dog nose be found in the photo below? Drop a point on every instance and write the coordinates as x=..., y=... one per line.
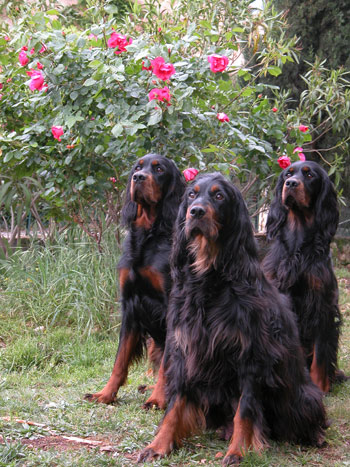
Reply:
x=292, y=182
x=197, y=212
x=139, y=177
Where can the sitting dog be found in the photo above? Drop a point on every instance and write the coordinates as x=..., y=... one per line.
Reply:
x=153, y=196
x=302, y=221
x=232, y=350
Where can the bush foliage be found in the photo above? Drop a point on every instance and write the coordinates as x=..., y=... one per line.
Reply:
x=100, y=95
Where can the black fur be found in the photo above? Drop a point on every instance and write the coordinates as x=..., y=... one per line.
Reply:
x=232, y=340
x=302, y=221
x=153, y=195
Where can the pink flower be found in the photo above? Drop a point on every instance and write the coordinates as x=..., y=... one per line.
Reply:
x=1, y=96
x=284, y=162
x=57, y=132
x=113, y=179
x=148, y=68
x=32, y=51
x=1, y=85
x=303, y=128
x=190, y=174
x=118, y=41
x=274, y=109
x=7, y=38
x=161, y=94
x=22, y=57
x=92, y=37
x=43, y=49
x=222, y=117
x=39, y=66
x=301, y=155
x=161, y=69
x=37, y=81
x=217, y=62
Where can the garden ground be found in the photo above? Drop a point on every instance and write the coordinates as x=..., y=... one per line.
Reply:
x=49, y=361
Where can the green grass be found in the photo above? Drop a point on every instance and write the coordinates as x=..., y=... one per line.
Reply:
x=59, y=326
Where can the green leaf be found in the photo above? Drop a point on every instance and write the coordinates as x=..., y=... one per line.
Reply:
x=117, y=130
x=89, y=82
x=274, y=70
x=155, y=117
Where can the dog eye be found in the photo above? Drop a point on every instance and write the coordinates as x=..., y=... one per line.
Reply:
x=308, y=175
x=159, y=169
x=191, y=194
x=219, y=196
x=288, y=174
x=138, y=167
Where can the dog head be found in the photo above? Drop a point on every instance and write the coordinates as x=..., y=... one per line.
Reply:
x=155, y=187
x=305, y=189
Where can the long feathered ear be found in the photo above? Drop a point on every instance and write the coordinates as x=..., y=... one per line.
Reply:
x=179, y=252
x=326, y=209
x=239, y=255
x=173, y=196
x=277, y=213
x=129, y=209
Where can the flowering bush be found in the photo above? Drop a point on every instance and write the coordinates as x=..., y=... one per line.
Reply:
x=105, y=86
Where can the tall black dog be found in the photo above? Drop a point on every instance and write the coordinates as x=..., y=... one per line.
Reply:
x=302, y=221
x=153, y=196
x=232, y=349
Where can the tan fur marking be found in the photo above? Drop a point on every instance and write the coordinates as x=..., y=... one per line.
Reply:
x=119, y=372
x=145, y=217
x=155, y=162
x=245, y=436
x=123, y=277
x=299, y=194
x=196, y=188
x=154, y=276
x=205, y=253
x=318, y=375
x=182, y=420
x=157, y=398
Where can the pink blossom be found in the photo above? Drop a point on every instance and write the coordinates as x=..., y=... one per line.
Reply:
x=300, y=153
x=92, y=37
x=43, y=49
x=1, y=85
x=303, y=128
x=190, y=174
x=37, y=81
x=217, y=62
x=161, y=94
x=22, y=57
x=25, y=48
x=161, y=69
x=40, y=66
x=274, y=109
x=148, y=68
x=222, y=117
x=1, y=96
x=7, y=38
x=57, y=132
x=284, y=162
x=32, y=51
x=118, y=41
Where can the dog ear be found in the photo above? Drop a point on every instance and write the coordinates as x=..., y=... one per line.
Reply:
x=238, y=255
x=277, y=213
x=179, y=252
x=173, y=196
x=326, y=208
x=129, y=209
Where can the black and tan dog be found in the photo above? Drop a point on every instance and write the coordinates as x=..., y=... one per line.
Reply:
x=153, y=196
x=302, y=221
x=232, y=349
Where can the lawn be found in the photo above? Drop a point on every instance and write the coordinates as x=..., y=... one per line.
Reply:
x=58, y=337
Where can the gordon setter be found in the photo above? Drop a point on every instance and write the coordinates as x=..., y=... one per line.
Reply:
x=153, y=196
x=232, y=349
x=302, y=221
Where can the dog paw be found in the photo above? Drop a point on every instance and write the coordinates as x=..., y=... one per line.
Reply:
x=148, y=454
x=100, y=397
x=231, y=459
